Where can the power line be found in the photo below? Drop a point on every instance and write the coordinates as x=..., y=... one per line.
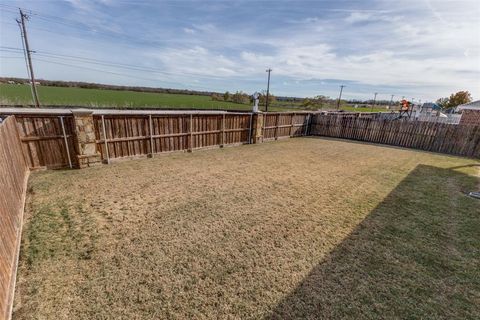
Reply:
x=11, y=57
x=10, y=49
x=111, y=72
x=82, y=26
x=93, y=29
x=93, y=69
x=112, y=64
x=61, y=20
x=119, y=65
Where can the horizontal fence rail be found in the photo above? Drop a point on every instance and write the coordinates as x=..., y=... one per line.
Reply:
x=283, y=125
x=47, y=140
x=430, y=136
x=119, y=136
x=54, y=140
x=13, y=176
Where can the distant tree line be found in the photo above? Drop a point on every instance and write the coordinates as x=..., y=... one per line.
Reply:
x=242, y=98
x=319, y=102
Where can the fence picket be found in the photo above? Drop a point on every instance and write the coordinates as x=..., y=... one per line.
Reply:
x=430, y=136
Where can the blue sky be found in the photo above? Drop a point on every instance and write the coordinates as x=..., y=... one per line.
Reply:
x=421, y=49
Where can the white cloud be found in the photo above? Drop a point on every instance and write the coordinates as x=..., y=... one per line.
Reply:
x=358, y=16
x=80, y=4
x=195, y=60
x=205, y=27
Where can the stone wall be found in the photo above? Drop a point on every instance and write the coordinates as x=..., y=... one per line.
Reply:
x=85, y=139
x=257, y=125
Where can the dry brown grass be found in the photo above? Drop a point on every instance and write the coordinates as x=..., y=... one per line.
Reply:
x=302, y=228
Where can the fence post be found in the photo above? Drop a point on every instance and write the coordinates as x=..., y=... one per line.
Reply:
x=151, y=135
x=85, y=142
x=223, y=131
x=105, y=139
x=307, y=119
x=250, y=129
x=291, y=123
x=190, y=143
x=257, y=127
x=276, y=126
x=66, y=142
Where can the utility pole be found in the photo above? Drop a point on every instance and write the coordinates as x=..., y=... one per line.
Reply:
x=391, y=101
x=268, y=89
x=340, y=96
x=26, y=51
x=374, y=99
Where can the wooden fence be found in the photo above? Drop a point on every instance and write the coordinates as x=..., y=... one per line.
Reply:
x=13, y=178
x=119, y=136
x=282, y=125
x=47, y=140
x=437, y=137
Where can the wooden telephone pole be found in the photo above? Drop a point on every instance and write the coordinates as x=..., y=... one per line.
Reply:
x=374, y=100
x=28, y=58
x=268, y=89
x=340, y=96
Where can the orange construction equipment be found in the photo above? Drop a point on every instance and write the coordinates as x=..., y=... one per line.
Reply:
x=406, y=108
x=405, y=105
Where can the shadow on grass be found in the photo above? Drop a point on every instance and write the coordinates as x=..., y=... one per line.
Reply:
x=416, y=255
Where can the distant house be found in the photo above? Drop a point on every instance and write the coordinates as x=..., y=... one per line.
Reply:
x=427, y=109
x=470, y=112
x=475, y=105
x=432, y=112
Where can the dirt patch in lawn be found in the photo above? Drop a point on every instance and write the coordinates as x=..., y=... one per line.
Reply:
x=301, y=228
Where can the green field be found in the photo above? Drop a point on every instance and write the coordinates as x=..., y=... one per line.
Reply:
x=12, y=94
x=20, y=94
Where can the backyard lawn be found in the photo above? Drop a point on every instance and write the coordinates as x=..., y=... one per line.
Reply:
x=304, y=228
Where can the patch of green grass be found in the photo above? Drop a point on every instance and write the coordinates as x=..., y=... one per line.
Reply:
x=58, y=231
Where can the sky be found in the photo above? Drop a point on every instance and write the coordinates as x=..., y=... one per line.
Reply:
x=422, y=49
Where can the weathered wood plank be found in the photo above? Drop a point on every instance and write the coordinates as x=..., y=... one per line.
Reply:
x=13, y=176
x=430, y=136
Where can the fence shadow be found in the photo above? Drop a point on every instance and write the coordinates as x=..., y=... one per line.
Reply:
x=414, y=256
